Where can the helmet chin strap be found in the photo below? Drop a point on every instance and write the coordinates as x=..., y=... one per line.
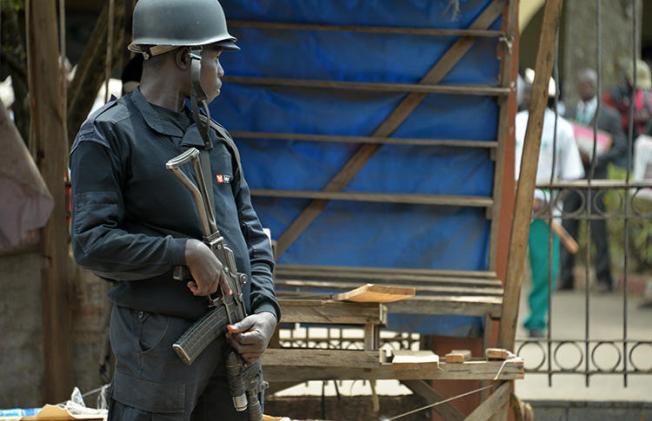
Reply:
x=198, y=99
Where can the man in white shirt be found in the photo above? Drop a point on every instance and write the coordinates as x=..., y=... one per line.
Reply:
x=558, y=153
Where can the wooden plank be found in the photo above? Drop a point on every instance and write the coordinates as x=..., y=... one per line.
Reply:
x=423, y=389
x=497, y=354
x=292, y=26
x=372, y=339
x=481, y=90
x=388, y=297
x=313, y=357
x=380, y=271
x=320, y=364
x=458, y=356
x=305, y=137
x=439, y=284
x=526, y=183
x=48, y=135
x=274, y=373
x=440, y=69
x=371, y=293
x=463, y=305
x=388, y=278
x=498, y=399
x=326, y=311
x=415, y=359
x=432, y=305
x=410, y=199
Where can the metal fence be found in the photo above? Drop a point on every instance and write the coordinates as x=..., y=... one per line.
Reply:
x=591, y=354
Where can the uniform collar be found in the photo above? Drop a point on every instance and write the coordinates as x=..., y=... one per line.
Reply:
x=153, y=118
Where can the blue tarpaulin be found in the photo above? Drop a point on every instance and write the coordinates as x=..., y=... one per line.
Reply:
x=355, y=233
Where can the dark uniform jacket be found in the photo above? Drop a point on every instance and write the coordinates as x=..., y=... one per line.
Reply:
x=609, y=122
x=132, y=217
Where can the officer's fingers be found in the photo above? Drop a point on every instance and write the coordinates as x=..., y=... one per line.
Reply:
x=212, y=287
x=250, y=338
x=192, y=286
x=251, y=358
x=243, y=348
x=224, y=284
x=243, y=325
x=235, y=344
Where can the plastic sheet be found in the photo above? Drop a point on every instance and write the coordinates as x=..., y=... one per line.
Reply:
x=356, y=233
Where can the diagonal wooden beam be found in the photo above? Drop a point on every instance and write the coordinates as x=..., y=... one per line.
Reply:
x=440, y=69
x=518, y=242
x=430, y=395
x=492, y=405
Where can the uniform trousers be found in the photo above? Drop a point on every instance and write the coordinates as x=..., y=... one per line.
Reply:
x=151, y=382
x=539, y=264
x=599, y=237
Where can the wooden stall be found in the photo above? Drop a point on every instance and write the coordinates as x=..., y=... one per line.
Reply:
x=312, y=293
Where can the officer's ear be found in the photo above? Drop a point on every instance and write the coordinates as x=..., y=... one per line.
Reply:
x=182, y=58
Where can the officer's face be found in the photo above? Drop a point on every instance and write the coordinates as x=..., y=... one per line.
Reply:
x=211, y=72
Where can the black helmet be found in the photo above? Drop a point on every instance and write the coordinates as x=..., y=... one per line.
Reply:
x=179, y=23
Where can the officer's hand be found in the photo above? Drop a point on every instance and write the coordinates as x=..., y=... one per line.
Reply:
x=251, y=335
x=205, y=268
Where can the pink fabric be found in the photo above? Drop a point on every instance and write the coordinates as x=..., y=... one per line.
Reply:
x=25, y=202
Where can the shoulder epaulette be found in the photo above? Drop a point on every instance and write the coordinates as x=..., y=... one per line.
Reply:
x=104, y=108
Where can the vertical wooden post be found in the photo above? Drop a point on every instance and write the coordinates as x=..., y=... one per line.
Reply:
x=504, y=184
x=48, y=136
x=527, y=178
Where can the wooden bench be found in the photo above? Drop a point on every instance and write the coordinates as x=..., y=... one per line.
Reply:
x=286, y=367
x=370, y=363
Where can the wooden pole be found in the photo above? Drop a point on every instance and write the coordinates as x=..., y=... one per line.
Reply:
x=527, y=179
x=47, y=129
x=91, y=70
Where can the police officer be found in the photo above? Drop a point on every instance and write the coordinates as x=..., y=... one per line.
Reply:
x=133, y=222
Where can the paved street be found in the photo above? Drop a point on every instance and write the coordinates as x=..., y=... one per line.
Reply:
x=606, y=322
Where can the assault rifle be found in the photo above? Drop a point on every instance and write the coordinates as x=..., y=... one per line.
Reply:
x=244, y=382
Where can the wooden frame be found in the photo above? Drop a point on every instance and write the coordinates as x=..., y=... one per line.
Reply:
x=291, y=26
x=412, y=199
x=305, y=137
x=391, y=123
x=421, y=88
x=445, y=290
x=325, y=364
x=430, y=281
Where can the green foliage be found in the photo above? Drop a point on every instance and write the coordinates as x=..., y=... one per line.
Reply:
x=14, y=5
x=639, y=229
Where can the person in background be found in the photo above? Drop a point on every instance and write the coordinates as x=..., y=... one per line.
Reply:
x=620, y=97
x=608, y=121
x=559, y=145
